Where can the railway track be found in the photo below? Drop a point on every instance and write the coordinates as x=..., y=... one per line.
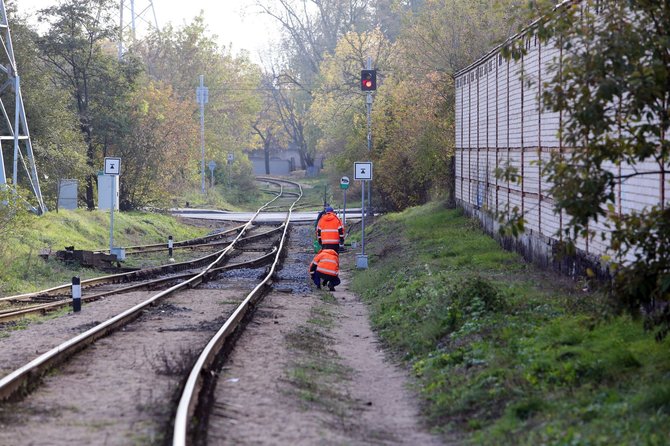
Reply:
x=22, y=379
x=13, y=307
x=51, y=299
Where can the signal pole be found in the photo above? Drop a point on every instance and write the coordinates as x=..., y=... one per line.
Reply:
x=202, y=94
x=368, y=103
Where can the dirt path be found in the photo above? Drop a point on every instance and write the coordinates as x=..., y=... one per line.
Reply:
x=311, y=371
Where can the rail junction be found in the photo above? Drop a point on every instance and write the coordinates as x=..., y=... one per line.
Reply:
x=163, y=312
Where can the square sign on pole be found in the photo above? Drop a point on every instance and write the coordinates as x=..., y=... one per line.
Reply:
x=363, y=171
x=112, y=166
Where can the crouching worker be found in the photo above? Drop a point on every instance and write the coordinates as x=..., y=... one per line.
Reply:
x=325, y=267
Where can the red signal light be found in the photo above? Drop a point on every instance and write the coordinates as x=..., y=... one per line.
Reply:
x=368, y=80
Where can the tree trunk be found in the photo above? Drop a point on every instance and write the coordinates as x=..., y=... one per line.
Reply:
x=266, y=152
x=90, y=159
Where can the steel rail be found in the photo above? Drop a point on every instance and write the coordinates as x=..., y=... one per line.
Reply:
x=184, y=243
x=188, y=400
x=129, y=276
x=21, y=378
x=9, y=315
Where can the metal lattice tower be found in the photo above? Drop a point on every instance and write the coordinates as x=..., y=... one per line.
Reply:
x=140, y=13
x=14, y=133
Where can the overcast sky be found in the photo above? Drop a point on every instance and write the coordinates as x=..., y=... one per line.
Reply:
x=233, y=21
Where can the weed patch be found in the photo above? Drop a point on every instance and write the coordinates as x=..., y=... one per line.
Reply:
x=316, y=372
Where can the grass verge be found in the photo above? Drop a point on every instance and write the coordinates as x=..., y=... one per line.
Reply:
x=505, y=353
x=22, y=270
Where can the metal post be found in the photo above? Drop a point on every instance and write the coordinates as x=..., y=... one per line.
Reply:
x=17, y=111
x=202, y=131
x=368, y=101
x=132, y=20
x=170, y=245
x=344, y=209
x=76, y=294
x=363, y=217
x=121, y=30
x=111, y=215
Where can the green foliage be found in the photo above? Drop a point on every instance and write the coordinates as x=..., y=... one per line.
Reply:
x=54, y=128
x=413, y=113
x=614, y=93
x=504, y=354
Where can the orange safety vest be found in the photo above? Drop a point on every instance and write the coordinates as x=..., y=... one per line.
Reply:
x=329, y=229
x=327, y=262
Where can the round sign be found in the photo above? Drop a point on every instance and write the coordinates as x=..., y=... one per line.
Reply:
x=212, y=165
x=344, y=183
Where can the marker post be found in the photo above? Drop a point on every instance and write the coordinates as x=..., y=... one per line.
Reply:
x=76, y=294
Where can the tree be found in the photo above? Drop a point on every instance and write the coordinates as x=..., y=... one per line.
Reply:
x=614, y=90
x=312, y=30
x=233, y=82
x=57, y=143
x=155, y=149
x=268, y=126
x=74, y=48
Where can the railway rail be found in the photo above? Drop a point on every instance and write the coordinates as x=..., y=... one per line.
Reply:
x=22, y=378
x=58, y=297
x=47, y=300
x=194, y=397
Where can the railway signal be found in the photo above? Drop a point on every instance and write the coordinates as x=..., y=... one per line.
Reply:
x=368, y=80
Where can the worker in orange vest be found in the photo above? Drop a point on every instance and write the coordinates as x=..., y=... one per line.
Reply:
x=326, y=267
x=329, y=231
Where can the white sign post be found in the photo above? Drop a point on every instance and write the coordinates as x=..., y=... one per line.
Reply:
x=113, y=168
x=362, y=172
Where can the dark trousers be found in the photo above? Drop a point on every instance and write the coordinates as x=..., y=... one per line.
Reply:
x=328, y=280
x=334, y=247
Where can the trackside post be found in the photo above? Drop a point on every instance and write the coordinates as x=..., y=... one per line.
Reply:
x=76, y=294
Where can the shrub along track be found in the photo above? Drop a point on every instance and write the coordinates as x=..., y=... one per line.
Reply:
x=129, y=374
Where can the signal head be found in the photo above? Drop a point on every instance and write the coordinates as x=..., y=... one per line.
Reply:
x=368, y=80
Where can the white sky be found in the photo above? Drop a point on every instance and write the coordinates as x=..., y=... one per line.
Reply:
x=233, y=21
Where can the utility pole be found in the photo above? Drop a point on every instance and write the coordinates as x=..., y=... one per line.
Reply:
x=143, y=13
x=368, y=102
x=17, y=132
x=202, y=94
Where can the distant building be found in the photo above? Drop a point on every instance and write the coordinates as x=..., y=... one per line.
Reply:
x=282, y=161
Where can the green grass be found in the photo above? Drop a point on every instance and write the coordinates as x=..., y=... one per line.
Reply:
x=22, y=270
x=504, y=353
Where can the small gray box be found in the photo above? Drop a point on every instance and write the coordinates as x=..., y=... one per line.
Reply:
x=67, y=194
x=362, y=261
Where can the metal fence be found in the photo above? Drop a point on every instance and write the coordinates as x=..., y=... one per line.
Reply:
x=500, y=121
